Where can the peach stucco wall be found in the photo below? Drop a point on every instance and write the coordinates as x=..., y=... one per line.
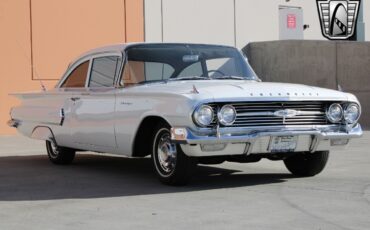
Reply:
x=61, y=30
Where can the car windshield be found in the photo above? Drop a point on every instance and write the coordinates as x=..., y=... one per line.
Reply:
x=171, y=62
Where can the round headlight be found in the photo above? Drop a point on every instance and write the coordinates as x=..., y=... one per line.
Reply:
x=351, y=113
x=203, y=115
x=335, y=113
x=227, y=115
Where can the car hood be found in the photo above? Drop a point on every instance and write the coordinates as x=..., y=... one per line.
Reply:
x=249, y=90
x=270, y=90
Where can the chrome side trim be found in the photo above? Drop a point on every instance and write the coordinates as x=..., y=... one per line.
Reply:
x=62, y=116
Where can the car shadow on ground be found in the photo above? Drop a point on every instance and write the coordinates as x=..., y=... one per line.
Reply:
x=94, y=176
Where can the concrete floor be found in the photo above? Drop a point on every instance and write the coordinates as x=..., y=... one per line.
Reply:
x=105, y=192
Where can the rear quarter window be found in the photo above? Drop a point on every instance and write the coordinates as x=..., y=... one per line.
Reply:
x=77, y=78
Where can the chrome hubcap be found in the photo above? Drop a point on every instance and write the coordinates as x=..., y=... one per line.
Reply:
x=54, y=149
x=167, y=153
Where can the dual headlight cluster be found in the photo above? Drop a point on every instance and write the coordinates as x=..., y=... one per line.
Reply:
x=336, y=113
x=204, y=115
x=347, y=113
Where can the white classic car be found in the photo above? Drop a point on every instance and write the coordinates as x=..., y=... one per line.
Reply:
x=185, y=104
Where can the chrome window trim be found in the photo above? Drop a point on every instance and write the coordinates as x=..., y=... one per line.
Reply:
x=123, y=66
x=88, y=77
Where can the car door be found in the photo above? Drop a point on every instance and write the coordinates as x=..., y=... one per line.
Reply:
x=72, y=83
x=94, y=105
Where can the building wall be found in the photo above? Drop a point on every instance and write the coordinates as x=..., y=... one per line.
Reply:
x=366, y=15
x=51, y=33
x=230, y=22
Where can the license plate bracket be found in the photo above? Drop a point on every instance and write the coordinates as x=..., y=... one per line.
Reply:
x=280, y=144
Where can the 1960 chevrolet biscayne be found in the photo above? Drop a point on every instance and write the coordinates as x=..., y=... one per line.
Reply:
x=185, y=104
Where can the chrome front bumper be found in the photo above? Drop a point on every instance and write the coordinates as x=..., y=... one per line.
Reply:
x=247, y=141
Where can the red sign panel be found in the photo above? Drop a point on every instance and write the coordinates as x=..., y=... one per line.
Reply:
x=291, y=21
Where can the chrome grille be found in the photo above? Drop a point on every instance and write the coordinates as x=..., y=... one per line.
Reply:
x=262, y=113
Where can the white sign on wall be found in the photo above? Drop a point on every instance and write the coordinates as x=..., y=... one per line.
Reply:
x=290, y=23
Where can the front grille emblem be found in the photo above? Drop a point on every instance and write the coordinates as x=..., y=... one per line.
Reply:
x=286, y=113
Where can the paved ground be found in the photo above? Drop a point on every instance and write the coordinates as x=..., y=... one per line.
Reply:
x=98, y=192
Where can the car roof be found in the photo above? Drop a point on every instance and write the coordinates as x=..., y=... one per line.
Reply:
x=121, y=47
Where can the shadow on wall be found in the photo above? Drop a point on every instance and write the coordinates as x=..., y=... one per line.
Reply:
x=93, y=176
x=318, y=63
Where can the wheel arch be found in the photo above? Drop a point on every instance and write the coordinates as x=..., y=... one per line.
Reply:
x=43, y=133
x=144, y=134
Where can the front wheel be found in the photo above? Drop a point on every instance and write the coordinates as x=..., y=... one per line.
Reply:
x=171, y=165
x=308, y=164
x=59, y=155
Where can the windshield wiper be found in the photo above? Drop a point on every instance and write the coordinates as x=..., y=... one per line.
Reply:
x=229, y=77
x=149, y=82
x=189, y=78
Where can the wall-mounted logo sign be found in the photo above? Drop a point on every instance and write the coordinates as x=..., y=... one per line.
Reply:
x=338, y=18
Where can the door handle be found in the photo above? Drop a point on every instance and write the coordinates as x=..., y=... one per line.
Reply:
x=75, y=98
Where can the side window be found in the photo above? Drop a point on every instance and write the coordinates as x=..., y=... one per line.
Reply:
x=221, y=66
x=104, y=71
x=137, y=71
x=157, y=71
x=78, y=76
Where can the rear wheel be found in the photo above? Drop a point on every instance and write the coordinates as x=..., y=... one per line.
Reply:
x=171, y=165
x=59, y=155
x=308, y=164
